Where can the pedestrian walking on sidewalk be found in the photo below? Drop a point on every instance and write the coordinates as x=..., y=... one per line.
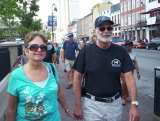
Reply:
x=132, y=54
x=20, y=60
x=34, y=90
x=70, y=48
x=57, y=51
x=50, y=54
x=102, y=67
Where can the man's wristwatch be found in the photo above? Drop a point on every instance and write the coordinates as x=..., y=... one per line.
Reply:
x=135, y=103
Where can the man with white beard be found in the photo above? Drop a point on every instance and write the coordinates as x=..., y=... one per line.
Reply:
x=102, y=64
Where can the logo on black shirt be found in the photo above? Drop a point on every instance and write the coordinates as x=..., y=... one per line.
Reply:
x=116, y=63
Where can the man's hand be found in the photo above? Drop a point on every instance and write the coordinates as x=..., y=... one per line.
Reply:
x=134, y=113
x=78, y=112
x=138, y=75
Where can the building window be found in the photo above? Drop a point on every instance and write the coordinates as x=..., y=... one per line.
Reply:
x=137, y=17
x=125, y=20
x=137, y=3
x=151, y=0
x=125, y=6
x=118, y=19
x=152, y=14
x=129, y=19
x=122, y=21
x=133, y=4
x=129, y=5
x=122, y=7
x=133, y=19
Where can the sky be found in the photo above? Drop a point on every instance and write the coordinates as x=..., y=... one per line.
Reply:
x=46, y=8
x=86, y=6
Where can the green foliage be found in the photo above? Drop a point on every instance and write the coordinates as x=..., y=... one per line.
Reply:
x=2, y=36
x=48, y=34
x=20, y=16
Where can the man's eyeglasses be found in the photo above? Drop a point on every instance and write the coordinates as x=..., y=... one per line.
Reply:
x=102, y=29
x=35, y=47
x=130, y=45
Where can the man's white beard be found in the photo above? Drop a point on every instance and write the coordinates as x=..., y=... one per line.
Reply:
x=100, y=37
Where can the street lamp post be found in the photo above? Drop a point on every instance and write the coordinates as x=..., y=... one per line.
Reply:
x=55, y=9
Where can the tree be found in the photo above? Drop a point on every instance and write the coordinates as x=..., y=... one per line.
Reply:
x=48, y=35
x=2, y=36
x=27, y=16
x=7, y=14
x=20, y=15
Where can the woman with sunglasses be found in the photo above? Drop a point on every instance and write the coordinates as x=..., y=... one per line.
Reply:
x=34, y=90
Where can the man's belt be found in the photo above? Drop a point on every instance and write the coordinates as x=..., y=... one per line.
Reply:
x=107, y=100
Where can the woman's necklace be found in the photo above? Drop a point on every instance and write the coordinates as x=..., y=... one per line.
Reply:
x=36, y=73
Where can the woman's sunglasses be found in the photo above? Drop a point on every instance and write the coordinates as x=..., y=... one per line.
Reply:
x=102, y=29
x=35, y=47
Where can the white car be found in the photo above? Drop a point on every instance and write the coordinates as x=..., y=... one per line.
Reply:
x=18, y=40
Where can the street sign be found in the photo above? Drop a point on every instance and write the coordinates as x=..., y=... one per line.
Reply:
x=54, y=21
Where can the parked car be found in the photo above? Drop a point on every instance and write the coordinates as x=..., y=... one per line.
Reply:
x=118, y=41
x=1, y=41
x=139, y=44
x=154, y=43
x=18, y=40
x=11, y=43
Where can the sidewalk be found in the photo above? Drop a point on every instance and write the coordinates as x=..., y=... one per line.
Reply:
x=146, y=103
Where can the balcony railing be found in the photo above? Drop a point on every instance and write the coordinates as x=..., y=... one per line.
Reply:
x=141, y=23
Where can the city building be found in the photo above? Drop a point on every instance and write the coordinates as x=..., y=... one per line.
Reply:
x=79, y=29
x=115, y=16
x=132, y=21
x=152, y=19
x=87, y=27
x=68, y=11
x=99, y=9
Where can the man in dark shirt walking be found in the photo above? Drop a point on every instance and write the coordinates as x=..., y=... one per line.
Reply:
x=102, y=67
x=50, y=54
x=70, y=47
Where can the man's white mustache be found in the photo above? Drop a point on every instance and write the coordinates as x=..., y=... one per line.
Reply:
x=107, y=34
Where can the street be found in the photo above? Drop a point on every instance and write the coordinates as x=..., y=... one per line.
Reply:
x=147, y=61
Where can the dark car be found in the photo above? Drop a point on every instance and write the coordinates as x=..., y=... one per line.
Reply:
x=118, y=41
x=1, y=41
x=139, y=44
x=154, y=43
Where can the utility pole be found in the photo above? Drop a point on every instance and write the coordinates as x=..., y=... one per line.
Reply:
x=68, y=13
x=55, y=9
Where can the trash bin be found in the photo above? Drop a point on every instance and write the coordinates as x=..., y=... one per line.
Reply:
x=157, y=91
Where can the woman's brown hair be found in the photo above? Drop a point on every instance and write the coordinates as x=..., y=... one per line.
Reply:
x=30, y=36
